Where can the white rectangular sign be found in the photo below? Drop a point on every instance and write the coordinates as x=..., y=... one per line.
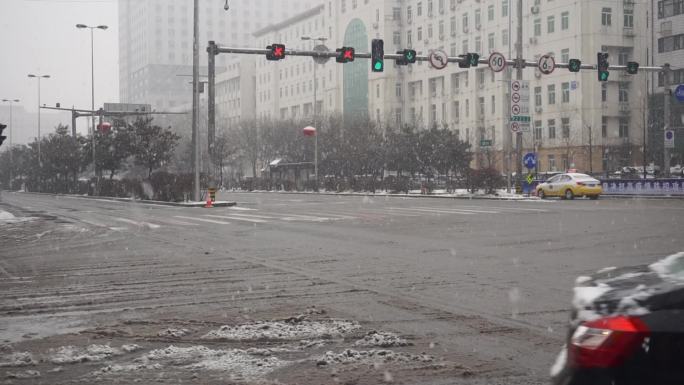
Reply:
x=520, y=106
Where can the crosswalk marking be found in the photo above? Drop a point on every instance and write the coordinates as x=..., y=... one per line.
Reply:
x=251, y=220
x=253, y=216
x=461, y=210
x=203, y=220
x=433, y=211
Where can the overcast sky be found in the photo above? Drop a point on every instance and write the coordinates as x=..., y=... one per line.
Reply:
x=40, y=36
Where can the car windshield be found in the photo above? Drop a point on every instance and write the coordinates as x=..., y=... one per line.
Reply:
x=353, y=192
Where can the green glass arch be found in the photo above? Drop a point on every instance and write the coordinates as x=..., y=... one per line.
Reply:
x=356, y=73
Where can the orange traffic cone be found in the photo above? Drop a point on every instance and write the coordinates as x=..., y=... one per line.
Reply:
x=209, y=204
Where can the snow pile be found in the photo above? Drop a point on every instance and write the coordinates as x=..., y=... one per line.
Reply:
x=6, y=217
x=127, y=368
x=671, y=267
x=584, y=299
x=173, y=333
x=283, y=330
x=17, y=359
x=235, y=361
x=72, y=354
x=24, y=374
x=371, y=356
x=382, y=339
x=130, y=348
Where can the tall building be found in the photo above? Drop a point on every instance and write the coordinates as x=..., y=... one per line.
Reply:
x=667, y=37
x=156, y=39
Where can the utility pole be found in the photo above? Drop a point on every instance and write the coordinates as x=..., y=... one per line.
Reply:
x=211, y=108
x=10, y=101
x=519, y=76
x=591, y=151
x=667, y=114
x=195, y=103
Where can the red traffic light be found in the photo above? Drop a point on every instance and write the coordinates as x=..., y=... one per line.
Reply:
x=345, y=55
x=277, y=52
x=309, y=131
x=104, y=127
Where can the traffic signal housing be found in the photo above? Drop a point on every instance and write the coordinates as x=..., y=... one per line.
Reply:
x=378, y=55
x=408, y=57
x=574, y=65
x=602, y=66
x=345, y=55
x=2, y=138
x=469, y=60
x=277, y=52
x=632, y=68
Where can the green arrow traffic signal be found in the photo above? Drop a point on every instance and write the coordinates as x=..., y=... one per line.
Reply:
x=574, y=65
x=474, y=59
x=632, y=68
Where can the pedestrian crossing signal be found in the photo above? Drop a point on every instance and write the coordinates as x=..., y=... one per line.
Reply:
x=345, y=55
x=277, y=52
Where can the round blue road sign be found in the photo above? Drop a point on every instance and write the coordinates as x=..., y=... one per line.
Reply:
x=679, y=93
x=530, y=160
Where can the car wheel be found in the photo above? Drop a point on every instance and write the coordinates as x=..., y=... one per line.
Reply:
x=593, y=197
x=569, y=195
x=541, y=194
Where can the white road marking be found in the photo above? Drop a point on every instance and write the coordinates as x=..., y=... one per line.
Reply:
x=432, y=211
x=461, y=210
x=253, y=216
x=251, y=220
x=236, y=208
x=139, y=224
x=203, y=220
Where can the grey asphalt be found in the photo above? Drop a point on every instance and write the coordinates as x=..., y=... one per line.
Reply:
x=486, y=284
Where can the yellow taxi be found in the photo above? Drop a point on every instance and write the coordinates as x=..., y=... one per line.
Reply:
x=569, y=186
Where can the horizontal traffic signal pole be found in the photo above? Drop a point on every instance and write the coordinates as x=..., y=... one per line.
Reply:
x=398, y=57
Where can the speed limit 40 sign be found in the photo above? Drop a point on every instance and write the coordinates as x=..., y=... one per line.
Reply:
x=547, y=64
x=497, y=62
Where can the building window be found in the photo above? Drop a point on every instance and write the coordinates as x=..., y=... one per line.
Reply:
x=623, y=92
x=538, y=96
x=456, y=113
x=564, y=162
x=453, y=49
x=565, y=123
x=396, y=13
x=629, y=18
x=565, y=20
x=538, y=130
x=455, y=82
x=669, y=8
x=565, y=55
x=478, y=44
x=420, y=34
x=565, y=90
x=478, y=18
x=481, y=78
x=397, y=115
x=441, y=29
x=551, y=89
x=552, y=162
x=409, y=14
x=551, y=24
x=537, y=27
x=429, y=31
x=419, y=9
x=398, y=90
x=482, y=107
x=490, y=13
x=624, y=128
x=671, y=43
x=490, y=42
x=397, y=38
x=433, y=113
x=504, y=8
x=504, y=38
x=606, y=17
x=604, y=127
x=467, y=108
x=493, y=104
x=452, y=24
x=465, y=46
x=552, y=128
x=429, y=8
x=409, y=39
x=623, y=57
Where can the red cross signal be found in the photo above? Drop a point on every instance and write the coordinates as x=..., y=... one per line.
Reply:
x=277, y=52
x=345, y=55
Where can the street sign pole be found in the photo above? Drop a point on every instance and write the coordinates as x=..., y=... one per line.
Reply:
x=667, y=115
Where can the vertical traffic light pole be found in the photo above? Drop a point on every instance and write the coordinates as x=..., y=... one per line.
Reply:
x=519, y=76
x=667, y=116
x=211, y=108
x=195, y=103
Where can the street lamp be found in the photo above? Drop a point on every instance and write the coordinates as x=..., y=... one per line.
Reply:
x=322, y=40
x=40, y=162
x=92, y=79
x=10, y=101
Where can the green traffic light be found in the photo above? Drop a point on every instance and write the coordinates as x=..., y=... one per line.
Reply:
x=604, y=76
x=378, y=66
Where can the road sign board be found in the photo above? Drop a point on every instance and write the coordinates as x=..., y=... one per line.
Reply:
x=547, y=64
x=530, y=160
x=520, y=106
x=530, y=178
x=669, y=139
x=439, y=59
x=485, y=143
x=497, y=62
x=321, y=59
x=679, y=93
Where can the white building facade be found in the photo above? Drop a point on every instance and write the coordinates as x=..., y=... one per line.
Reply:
x=568, y=110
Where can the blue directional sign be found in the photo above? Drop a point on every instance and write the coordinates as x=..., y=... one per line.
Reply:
x=530, y=160
x=679, y=93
